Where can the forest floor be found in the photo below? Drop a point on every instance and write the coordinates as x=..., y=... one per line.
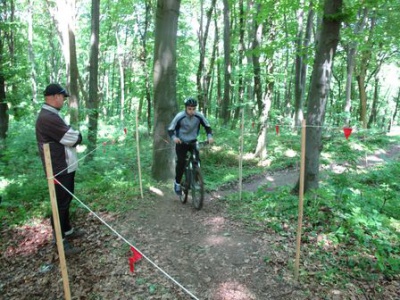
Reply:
x=188, y=254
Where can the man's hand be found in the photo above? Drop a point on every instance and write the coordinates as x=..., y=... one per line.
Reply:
x=177, y=141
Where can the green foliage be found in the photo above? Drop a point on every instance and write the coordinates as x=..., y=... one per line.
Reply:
x=351, y=225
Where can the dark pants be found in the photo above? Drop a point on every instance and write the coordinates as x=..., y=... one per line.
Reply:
x=64, y=200
x=181, y=152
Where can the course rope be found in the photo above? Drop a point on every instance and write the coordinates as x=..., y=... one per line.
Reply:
x=129, y=243
x=112, y=141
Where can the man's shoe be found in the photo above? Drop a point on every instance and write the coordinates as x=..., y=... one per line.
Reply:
x=177, y=189
x=69, y=250
x=74, y=233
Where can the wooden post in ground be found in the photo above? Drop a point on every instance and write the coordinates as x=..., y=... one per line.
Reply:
x=56, y=220
x=241, y=154
x=301, y=192
x=138, y=152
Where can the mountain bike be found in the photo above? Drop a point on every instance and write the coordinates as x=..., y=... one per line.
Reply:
x=193, y=182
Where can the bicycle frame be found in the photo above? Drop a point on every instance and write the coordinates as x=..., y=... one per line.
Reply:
x=193, y=180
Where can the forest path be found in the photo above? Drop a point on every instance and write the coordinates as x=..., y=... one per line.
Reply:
x=216, y=257
x=206, y=252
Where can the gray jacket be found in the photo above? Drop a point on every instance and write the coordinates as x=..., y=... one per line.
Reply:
x=187, y=128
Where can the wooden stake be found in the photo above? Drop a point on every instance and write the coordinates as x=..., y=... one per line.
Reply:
x=56, y=219
x=241, y=154
x=301, y=192
x=138, y=153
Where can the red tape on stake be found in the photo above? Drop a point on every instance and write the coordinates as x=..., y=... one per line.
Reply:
x=277, y=129
x=347, y=132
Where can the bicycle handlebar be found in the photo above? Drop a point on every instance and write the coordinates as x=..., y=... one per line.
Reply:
x=202, y=143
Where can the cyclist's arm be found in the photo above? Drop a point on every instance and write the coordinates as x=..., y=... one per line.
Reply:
x=207, y=127
x=173, y=128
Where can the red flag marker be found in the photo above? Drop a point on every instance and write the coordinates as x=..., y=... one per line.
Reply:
x=277, y=129
x=125, y=130
x=347, y=132
x=136, y=256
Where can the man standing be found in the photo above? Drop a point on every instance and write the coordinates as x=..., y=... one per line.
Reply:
x=62, y=139
x=183, y=130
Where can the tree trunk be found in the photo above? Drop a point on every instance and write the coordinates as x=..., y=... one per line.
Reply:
x=31, y=54
x=165, y=105
x=225, y=113
x=74, y=72
x=240, y=58
x=362, y=73
x=201, y=78
x=93, y=100
x=301, y=67
x=4, y=118
x=396, y=109
x=143, y=62
x=261, y=148
x=363, y=97
x=319, y=89
x=258, y=34
x=374, y=109
x=208, y=77
x=121, y=69
x=6, y=40
x=351, y=54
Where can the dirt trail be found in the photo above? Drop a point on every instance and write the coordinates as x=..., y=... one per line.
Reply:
x=215, y=257
x=211, y=255
x=208, y=253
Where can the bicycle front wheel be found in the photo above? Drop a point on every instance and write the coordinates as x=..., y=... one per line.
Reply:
x=197, y=189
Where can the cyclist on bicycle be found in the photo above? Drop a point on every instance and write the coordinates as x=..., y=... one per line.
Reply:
x=183, y=130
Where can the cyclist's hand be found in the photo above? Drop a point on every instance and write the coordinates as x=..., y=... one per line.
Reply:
x=210, y=140
x=177, y=141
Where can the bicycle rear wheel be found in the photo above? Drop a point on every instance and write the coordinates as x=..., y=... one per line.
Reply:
x=197, y=189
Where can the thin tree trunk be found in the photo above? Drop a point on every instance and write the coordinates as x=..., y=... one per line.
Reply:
x=143, y=60
x=362, y=74
x=374, y=109
x=396, y=109
x=208, y=77
x=240, y=58
x=74, y=72
x=201, y=80
x=121, y=84
x=351, y=55
x=258, y=34
x=31, y=54
x=4, y=118
x=93, y=100
x=363, y=97
x=301, y=67
x=225, y=113
x=261, y=148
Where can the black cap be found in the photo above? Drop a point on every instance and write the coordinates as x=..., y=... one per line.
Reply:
x=55, y=89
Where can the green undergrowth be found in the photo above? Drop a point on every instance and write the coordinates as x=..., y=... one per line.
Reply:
x=351, y=224
x=112, y=181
